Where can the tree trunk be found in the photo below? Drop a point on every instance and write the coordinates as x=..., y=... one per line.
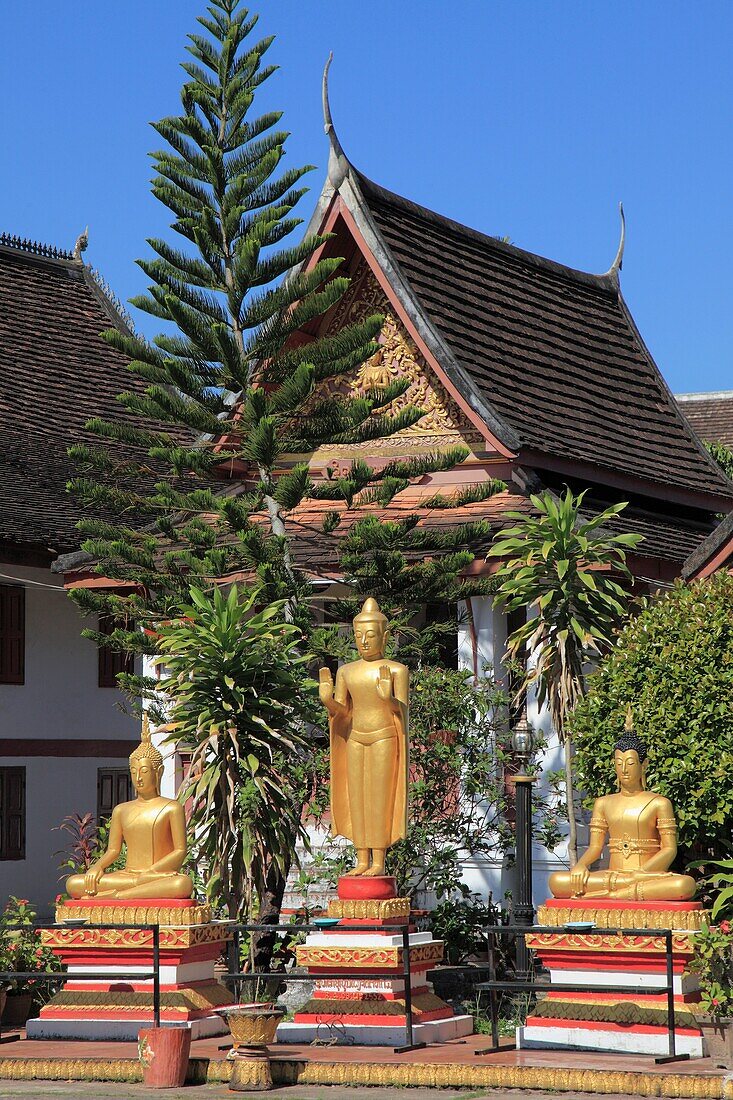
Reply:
x=263, y=943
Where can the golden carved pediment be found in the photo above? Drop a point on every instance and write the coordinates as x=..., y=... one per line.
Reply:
x=443, y=424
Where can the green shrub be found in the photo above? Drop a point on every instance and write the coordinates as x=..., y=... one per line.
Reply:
x=673, y=663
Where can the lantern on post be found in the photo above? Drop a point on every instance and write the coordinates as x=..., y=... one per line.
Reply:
x=523, y=907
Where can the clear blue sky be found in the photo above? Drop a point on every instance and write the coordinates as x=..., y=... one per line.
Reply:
x=530, y=118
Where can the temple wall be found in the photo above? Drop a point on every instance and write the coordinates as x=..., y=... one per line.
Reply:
x=59, y=700
x=481, y=650
x=54, y=788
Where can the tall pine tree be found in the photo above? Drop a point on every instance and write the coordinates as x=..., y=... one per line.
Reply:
x=194, y=481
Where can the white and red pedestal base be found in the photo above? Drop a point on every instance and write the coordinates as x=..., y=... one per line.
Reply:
x=630, y=1022
x=117, y=1008
x=346, y=1008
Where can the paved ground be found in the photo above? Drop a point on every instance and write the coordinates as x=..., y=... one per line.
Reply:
x=76, y=1090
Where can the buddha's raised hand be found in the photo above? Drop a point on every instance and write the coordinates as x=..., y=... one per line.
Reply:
x=384, y=683
x=325, y=686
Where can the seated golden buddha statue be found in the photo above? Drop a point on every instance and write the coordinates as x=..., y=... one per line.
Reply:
x=642, y=835
x=153, y=829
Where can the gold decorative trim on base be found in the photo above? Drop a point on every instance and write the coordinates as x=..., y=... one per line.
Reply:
x=170, y=938
x=367, y=957
x=608, y=944
x=201, y=997
x=365, y=909
x=135, y=914
x=286, y=1071
x=372, y=1006
x=690, y=920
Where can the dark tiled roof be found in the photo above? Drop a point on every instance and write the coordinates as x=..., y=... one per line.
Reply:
x=554, y=351
x=55, y=373
x=664, y=537
x=712, y=545
x=711, y=415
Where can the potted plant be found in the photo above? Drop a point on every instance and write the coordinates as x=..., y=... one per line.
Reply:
x=23, y=952
x=713, y=963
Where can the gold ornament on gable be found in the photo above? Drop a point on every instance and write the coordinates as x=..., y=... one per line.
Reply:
x=397, y=358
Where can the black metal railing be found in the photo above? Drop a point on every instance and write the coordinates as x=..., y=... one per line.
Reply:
x=52, y=977
x=532, y=985
x=234, y=974
x=525, y=982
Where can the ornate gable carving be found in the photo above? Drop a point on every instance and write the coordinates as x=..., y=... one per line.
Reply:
x=442, y=425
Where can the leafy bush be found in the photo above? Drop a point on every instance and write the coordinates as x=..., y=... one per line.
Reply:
x=713, y=963
x=674, y=664
x=459, y=747
x=21, y=949
x=461, y=925
x=86, y=840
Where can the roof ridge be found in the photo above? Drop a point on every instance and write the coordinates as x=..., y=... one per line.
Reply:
x=107, y=297
x=608, y=281
x=703, y=395
x=35, y=248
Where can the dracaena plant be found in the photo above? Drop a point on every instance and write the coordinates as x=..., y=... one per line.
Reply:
x=235, y=685
x=567, y=571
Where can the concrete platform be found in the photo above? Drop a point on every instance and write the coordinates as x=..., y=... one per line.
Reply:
x=455, y=1064
x=375, y=1035
x=112, y=1030
x=649, y=1040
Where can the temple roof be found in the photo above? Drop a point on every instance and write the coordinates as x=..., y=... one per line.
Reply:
x=713, y=553
x=554, y=352
x=55, y=373
x=710, y=414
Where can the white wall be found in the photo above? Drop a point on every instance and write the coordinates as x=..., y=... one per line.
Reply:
x=60, y=699
x=55, y=787
x=496, y=877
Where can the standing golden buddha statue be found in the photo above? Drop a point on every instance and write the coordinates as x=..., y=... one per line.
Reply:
x=368, y=714
x=642, y=833
x=152, y=828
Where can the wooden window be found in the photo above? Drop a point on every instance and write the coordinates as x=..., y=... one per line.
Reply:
x=12, y=813
x=12, y=634
x=114, y=785
x=111, y=661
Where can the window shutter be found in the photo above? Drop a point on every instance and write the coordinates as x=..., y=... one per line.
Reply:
x=12, y=634
x=110, y=660
x=12, y=813
x=114, y=785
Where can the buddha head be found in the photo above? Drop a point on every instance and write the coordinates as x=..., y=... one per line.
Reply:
x=630, y=759
x=370, y=631
x=146, y=765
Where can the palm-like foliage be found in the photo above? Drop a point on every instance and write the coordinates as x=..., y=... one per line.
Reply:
x=236, y=688
x=562, y=569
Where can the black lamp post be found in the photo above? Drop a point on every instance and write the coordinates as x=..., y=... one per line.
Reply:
x=523, y=907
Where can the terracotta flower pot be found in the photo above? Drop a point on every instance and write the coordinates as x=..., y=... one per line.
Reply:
x=163, y=1054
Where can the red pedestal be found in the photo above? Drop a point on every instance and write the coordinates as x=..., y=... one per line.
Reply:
x=378, y=888
x=633, y=1021
x=116, y=1007
x=371, y=1011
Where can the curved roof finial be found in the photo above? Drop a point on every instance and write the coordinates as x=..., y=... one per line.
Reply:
x=338, y=165
x=619, y=260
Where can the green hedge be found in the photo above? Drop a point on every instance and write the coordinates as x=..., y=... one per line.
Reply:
x=674, y=663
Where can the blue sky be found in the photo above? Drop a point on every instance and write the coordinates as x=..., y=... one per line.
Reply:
x=525, y=118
